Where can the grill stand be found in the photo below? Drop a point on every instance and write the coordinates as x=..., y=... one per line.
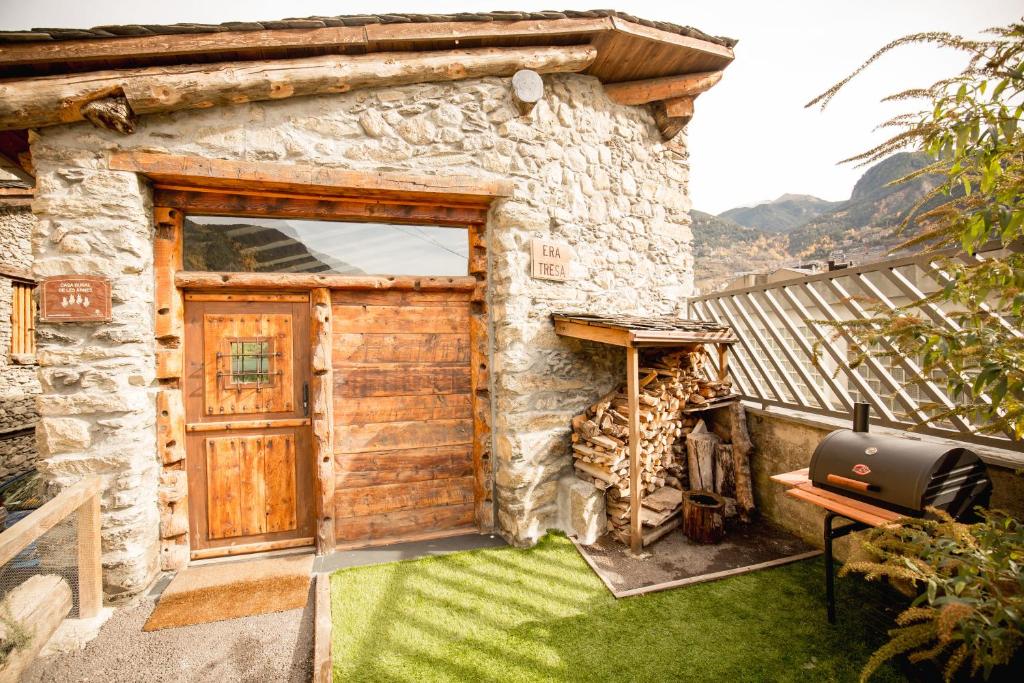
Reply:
x=832, y=533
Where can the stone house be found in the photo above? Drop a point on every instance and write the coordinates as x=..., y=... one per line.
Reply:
x=293, y=283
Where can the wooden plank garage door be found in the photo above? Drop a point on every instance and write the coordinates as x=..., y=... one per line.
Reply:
x=403, y=420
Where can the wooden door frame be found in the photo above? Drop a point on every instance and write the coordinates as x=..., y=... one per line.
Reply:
x=171, y=281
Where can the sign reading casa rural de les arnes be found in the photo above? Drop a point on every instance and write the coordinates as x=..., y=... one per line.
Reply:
x=74, y=298
x=551, y=260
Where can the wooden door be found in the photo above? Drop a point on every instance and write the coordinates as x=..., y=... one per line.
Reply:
x=403, y=434
x=249, y=462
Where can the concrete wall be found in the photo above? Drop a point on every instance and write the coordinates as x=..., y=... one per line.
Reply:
x=18, y=382
x=785, y=443
x=587, y=172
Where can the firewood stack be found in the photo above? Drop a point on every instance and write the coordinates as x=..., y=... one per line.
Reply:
x=669, y=383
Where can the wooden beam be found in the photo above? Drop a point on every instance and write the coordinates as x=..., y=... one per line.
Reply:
x=264, y=205
x=90, y=565
x=665, y=88
x=321, y=401
x=17, y=537
x=679, y=107
x=668, y=124
x=527, y=90
x=636, y=539
x=176, y=171
x=660, y=36
x=605, y=335
x=299, y=281
x=33, y=103
x=95, y=49
x=393, y=36
x=322, y=668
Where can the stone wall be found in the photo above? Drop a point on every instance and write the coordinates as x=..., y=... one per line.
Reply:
x=587, y=172
x=783, y=444
x=18, y=382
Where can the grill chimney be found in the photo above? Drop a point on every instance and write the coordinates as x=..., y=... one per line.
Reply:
x=860, y=416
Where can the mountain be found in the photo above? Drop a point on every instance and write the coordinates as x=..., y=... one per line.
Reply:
x=798, y=228
x=865, y=225
x=782, y=215
x=723, y=247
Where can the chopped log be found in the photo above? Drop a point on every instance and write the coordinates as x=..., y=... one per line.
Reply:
x=33, y=611
x=700, y=451
x=527, y=90
x=725, y=471
x=665, y=498
x=742, y=448
x=33, y=103
x=668, y=87
x=669, y=525
x=703, y=520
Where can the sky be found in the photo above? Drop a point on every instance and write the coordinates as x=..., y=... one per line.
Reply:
x=751, y=139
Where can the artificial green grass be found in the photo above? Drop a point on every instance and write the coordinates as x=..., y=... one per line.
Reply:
x=542, y=615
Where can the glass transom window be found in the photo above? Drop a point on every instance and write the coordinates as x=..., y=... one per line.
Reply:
x=279, y=245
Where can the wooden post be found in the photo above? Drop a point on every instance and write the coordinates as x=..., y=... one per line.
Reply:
x=636, y=538
x=723, y=362
x=321, y=398
x=90, y=565
x=322, y=666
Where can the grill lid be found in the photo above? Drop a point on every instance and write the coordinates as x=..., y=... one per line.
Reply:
x=898, y=473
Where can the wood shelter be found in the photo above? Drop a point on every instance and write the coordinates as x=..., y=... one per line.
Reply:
x=635, y=333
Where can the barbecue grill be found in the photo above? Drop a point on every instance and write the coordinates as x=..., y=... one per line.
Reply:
x=899, y=474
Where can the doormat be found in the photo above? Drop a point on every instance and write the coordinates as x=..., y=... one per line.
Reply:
x=675, y=561
x=215, y=592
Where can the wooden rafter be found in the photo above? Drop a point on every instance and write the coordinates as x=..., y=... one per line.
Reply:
x=32, y=103
x=668, y=87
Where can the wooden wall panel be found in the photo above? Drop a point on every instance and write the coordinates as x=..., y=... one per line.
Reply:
x=366, y=382
x=279, y=473
x=403, y=525
x=403, y=419
x=356, y=470
x=401, y=348
x=387, y=436
x=401, y=408
x=374, y=500
x=422, y=319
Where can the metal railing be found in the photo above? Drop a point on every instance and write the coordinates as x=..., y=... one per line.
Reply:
x=792, y=355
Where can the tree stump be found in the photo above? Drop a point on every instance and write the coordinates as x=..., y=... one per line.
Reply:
x=703, y=520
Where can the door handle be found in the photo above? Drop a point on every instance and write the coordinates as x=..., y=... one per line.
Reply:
x=305, y=399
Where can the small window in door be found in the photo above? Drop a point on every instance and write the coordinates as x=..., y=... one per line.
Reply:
x=250, y=362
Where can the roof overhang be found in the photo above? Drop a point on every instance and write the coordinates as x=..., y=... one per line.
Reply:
x=621, y=44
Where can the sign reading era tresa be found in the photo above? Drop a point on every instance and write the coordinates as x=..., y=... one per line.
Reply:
x=74, y=298
x=551, y=260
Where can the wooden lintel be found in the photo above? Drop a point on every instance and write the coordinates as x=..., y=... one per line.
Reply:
x=299, y=281
x=667, y=87
x=307, y=179
x=604, y=335
x=33, y=103
x=266, y=205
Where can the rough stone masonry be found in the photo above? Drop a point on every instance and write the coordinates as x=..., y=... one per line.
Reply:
x=18, y=383
x=587, y=172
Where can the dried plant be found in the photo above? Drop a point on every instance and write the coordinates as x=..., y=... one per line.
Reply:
x=971, y=609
